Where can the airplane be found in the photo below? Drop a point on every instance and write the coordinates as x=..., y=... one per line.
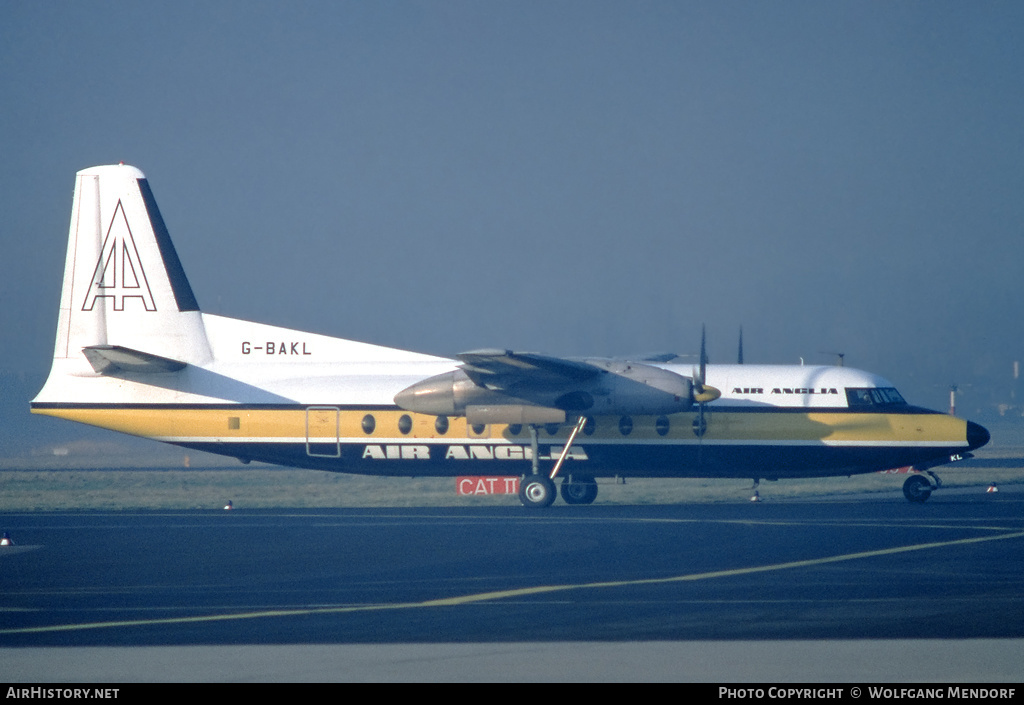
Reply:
x=134, y=353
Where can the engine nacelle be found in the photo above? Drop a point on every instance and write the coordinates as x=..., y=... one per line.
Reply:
x=630, y=388
x=449, y=394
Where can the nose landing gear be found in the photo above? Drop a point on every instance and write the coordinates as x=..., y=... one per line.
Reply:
x=918, y=488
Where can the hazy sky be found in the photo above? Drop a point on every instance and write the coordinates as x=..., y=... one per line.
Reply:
x=575, y=178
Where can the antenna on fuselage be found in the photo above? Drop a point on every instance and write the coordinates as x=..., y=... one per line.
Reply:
x=739, y=357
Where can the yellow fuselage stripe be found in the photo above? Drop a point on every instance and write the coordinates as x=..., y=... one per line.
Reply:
x=278, y=425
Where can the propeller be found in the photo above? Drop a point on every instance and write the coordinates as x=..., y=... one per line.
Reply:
x=702, y=392
x=839, y=356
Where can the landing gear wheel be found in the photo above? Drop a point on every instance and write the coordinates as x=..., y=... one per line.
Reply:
x=917, y=489
x=579, y=490
x=536, y=491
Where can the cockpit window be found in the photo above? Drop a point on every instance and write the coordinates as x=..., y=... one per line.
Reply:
x=873, y=396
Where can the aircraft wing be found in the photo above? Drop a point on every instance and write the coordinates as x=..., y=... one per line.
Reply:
x=502, y=368
x=503, y=386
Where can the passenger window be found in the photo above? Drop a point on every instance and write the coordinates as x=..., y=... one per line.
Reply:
x=405, y=424
x=369, y=423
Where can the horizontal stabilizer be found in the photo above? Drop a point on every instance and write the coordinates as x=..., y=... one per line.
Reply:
x=109, y=359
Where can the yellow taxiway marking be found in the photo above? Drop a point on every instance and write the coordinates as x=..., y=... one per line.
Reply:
x=514, y=592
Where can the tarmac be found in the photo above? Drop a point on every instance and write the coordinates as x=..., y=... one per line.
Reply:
x=822, y=590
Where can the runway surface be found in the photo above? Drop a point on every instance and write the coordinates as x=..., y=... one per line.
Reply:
x=753, y=575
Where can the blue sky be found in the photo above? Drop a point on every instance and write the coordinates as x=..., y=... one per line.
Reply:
x=575, y=178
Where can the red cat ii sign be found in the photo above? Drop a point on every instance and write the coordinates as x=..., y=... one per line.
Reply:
x=476, y=484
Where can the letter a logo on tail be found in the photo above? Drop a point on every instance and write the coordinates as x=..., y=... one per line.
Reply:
x=119, y=274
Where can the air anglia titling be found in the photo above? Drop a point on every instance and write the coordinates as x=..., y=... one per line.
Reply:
x=785, y=390
x=468, y=452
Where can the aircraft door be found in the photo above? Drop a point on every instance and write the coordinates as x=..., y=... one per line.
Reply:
x=323, y=425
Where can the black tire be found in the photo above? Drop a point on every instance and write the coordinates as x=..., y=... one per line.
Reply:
x=536, y=491
x=582, y=490
x=917, y=489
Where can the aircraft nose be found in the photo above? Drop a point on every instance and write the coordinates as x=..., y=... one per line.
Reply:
x=977, y=435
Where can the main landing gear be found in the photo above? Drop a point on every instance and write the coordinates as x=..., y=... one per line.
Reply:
x=537, y=490
x=918, y=488
x=579, y=489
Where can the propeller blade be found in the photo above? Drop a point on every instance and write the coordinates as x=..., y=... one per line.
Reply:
x=703, y=354
x=703, y=393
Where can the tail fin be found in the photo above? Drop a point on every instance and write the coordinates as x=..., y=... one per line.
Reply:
x=124, y=287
